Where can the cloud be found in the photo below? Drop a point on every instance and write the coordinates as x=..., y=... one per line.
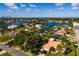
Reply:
x=75, y=6
x=36, y=9
x=22, y=5
x=28, y=9
x=61, y=8
x=59, y=4
x=32, y=5
x=50, y=11
x=9, y=11
x=12, y=6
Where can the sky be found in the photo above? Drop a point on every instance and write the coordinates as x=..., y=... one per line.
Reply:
x=39, y=10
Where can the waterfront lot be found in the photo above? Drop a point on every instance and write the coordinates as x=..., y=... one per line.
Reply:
x=30, y=39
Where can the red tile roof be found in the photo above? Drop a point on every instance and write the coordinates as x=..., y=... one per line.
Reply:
x=60, y=32
x=51, y=44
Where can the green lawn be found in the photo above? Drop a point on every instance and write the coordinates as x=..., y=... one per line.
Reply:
x=77, y=49
x=72, y=53
x=6, y=54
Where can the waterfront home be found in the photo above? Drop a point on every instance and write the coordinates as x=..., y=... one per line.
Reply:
x=51, y=43
x=60, y=32
x=38, y=26
x=25, y=24
x=12, y=26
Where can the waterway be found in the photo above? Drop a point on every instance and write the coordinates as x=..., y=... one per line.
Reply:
x=48, y=24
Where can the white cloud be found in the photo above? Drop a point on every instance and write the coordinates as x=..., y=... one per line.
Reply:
x=9, y=11
x=28, y=9
x=50, y=11
x=36, y=9
x=32, y=5
x=12, y=6
x=61, y=8
x=75, y=6
x=22, y=5
x=59, y=4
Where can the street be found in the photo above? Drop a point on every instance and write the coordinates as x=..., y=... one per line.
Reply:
x=12, y=51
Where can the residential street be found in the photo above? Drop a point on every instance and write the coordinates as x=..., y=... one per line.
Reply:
x=12, y=51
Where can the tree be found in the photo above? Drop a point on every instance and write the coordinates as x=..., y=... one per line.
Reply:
x=34, y=44
x=4, y=38
x=20, y=38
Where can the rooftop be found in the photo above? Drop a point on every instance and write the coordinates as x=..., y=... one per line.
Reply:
x=51, y=43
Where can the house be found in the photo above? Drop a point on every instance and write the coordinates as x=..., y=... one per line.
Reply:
x=51, y=43
x=26, y=29
x=76, y=25
x=38, y=26
x=60, y=32
x=12, y=26
x=25, y=24
x=11, y=33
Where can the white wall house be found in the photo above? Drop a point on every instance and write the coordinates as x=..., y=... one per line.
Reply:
x=12, y=26
x=75, y=24
x=38, y=26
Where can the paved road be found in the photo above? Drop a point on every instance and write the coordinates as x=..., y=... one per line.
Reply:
x=77, y=35
x=12, y=51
